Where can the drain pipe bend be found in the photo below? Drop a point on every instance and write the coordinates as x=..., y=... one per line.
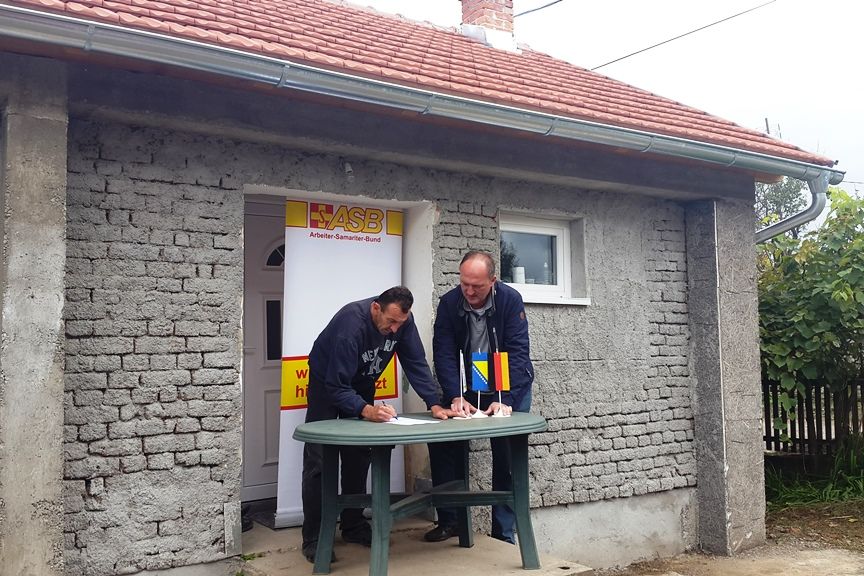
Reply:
x=818, y=192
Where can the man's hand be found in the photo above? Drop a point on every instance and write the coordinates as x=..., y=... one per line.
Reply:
x=460, y=407
x=378, y=413
x=439, y=412
x=496, y=406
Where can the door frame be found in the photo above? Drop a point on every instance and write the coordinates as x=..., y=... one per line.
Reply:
x=417, y=274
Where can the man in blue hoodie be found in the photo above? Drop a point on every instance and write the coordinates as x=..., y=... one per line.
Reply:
x=480, y=315
x=346, y=360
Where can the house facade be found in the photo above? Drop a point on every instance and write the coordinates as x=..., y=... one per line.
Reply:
x=127, y=186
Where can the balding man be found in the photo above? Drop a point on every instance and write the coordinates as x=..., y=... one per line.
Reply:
x=480, y=315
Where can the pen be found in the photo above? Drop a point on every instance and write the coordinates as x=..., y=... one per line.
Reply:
x=383, y=403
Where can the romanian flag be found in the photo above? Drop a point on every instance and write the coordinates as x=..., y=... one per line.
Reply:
x=502, y=371
x=480, y=372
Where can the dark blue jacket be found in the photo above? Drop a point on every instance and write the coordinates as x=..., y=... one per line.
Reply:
x=349, y=356
x=507, y=316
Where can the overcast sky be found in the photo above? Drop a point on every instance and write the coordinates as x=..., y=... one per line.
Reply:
x=795, y=62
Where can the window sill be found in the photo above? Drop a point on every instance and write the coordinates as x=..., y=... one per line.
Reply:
x=537, y=299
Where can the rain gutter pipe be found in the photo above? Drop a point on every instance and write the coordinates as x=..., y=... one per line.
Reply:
x=818, y=192
x=96, y=37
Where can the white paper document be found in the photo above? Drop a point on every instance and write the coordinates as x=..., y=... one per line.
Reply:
x=403, y=421
x=477, y=414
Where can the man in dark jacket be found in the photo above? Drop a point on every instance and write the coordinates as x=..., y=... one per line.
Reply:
x=345, y=362
x=480, y=315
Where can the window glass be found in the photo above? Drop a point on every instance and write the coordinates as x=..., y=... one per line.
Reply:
x=528, y=258
x=273, y=329
x=277, y=257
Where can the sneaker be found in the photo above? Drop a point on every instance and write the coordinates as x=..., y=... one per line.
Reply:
x=360, y=534
x=441, y=532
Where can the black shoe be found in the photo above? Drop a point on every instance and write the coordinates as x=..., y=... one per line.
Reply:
x=360, y=534
x=309, y=554
x=441, y=533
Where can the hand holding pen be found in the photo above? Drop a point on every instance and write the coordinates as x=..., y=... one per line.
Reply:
x=378, y=412
x=390, y=409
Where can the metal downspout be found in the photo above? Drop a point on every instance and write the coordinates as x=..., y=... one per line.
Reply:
x=818, y=192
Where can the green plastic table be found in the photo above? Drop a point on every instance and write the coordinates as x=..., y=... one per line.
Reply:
x=381, y=438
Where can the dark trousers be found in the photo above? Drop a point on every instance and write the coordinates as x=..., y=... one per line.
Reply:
x=445, y=462
x=355, y=468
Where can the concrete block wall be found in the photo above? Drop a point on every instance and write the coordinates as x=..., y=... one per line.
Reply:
x=152, y=409
x=613, y=378
x=153, y=302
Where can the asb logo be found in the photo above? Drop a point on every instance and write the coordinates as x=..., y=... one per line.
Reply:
x=342, y=218
x=320, y=215
x=350, y=219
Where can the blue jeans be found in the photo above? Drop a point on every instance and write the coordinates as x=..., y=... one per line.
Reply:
x=444, y=459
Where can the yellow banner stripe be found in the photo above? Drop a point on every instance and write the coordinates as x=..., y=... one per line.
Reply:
x=295, y=214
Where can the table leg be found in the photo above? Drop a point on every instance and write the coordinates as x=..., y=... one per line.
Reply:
x=381, y=518
x=463, y=513
x=521, y=508
x=329, y=508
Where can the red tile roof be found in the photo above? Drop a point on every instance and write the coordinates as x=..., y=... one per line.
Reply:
x=370, y=44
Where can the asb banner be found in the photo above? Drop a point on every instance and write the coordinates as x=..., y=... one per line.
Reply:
x=334, y=254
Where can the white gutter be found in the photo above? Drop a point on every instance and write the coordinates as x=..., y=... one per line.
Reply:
x=60, y=30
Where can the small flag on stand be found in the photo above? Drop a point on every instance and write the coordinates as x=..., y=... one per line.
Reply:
x=502, y=371
x=462, y=383
x=480, y=372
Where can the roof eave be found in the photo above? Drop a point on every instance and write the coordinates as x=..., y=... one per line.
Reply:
x=60, y=30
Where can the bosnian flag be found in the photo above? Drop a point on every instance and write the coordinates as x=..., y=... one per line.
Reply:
x=501, y=363
x=480, y=372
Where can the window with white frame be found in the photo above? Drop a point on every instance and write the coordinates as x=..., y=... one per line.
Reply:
x=543, y=258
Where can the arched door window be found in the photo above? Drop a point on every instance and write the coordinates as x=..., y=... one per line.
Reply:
x=277, y=257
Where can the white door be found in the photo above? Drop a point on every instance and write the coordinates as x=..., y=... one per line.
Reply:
x=264, y=255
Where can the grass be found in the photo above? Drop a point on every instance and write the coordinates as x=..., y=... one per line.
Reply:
x=844, y=482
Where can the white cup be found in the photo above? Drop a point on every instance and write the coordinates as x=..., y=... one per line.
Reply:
x=518, y=274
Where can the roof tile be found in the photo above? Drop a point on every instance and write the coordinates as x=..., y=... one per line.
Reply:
x=172, y=17
x=89, y=10
x=397, y=75
x=194, y=12
x=273, y=49
x=50, y=4
x=361, y=41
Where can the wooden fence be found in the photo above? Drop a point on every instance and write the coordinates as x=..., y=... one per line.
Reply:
x=824, y=418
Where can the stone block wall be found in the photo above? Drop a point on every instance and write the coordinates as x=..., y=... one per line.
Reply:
x=612, y=378
x=153, y=302
x=153, y=306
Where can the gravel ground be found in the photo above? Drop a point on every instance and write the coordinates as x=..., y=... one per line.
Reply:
x=818, y=540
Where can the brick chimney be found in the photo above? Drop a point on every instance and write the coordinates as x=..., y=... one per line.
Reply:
x=490, y=22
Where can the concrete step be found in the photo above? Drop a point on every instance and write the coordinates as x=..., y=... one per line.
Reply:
x=277, y=553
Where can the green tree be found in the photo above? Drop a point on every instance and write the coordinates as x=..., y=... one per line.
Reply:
x=775, y=202
x=811, y=303
x=509, y=259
